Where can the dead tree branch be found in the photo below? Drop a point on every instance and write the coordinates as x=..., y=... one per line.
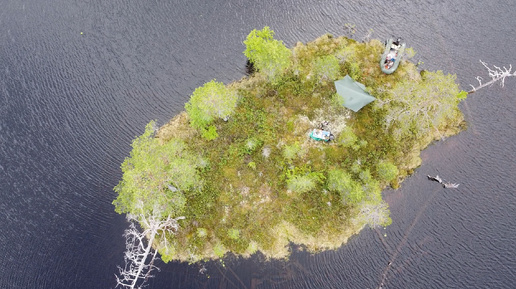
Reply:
x=496, y=74
x=445, y=185
x=139, y=256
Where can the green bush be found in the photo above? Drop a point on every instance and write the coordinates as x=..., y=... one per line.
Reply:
x=252, y=165
x=251, y=145
x=219, y=250
x=291, y=151
x=202, y=233
x=269, y=56
x=301, y=184
x=347, y=138
x=386, y=171
x=418, y=108
x=302, y=180
x=233, y=234
x=210, y=101
x=156, y=176
x=210, y=133
x=342, y=182
x=354, y=70
x=326, y=68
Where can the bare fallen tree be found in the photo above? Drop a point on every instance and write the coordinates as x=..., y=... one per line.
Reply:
x=445, y=185
x=496, y=74
x=139, y=256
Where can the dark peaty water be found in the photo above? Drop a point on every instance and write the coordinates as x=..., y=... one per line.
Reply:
x=70, y=104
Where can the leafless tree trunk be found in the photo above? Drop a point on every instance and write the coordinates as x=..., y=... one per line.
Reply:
x=139, y=256
x=445, y=185
x=496, y=74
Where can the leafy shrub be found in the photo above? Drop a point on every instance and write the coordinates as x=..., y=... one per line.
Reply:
x=251, y=145
x=219, y=250
x=347, y=137
x=252, y=165
x=201, y=232
x=252, y=248
x=415, y=109
x=210, y=133
x=302, y=180
x=155, y=176
x=354, y=70
x=233, y=234
x=347, y=54
x=269, y=56
x=326, y=67
x=210, y=101
x=291, y=151
x=386, y=171
x=342, y=182
x=301, y=184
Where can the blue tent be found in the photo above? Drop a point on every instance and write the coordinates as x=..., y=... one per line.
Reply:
x=352, y=94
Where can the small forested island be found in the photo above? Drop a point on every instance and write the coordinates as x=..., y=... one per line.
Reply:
x=239, y=173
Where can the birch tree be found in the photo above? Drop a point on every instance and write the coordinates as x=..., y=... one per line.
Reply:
x=156, y=179
x=157, y=176
x=268, y=55
x=423, y=106
x=140, y=255
x=208, y=102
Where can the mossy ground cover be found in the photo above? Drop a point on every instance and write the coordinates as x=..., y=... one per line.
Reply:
x=266, y=183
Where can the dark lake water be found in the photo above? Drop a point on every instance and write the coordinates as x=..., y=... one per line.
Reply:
x=71, y=102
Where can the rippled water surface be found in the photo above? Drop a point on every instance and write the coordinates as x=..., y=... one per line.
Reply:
x=80, y=79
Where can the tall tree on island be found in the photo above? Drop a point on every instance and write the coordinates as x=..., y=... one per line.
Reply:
x=267, y=55
x=211, y=101
x=152, y=191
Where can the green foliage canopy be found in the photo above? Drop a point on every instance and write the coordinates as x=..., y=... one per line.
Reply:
x=347, y=138
x=387, y=171
x=342, y=182
x=155, y=176
x=269, y=56
x=210, y=101
x=326, y=68
x=302, y=179
x=423, y=106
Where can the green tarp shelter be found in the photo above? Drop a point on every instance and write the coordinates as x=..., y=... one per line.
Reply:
x=352, y=93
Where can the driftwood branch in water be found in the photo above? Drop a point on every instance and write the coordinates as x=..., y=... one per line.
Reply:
x=436, y=178
x=496, y=74
x=445, y=185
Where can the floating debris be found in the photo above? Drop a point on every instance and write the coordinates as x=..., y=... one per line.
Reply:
x=440, y=181
x=451, y=186
x=436, y=178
